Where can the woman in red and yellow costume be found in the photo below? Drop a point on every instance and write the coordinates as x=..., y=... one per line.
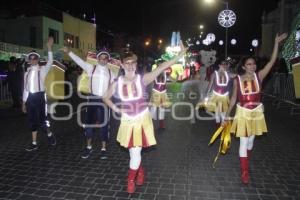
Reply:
x=159, y=99
x=249, y=120
x=136, y=128
x=219, y=84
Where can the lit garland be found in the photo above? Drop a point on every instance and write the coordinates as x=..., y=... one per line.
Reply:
x=289, y=50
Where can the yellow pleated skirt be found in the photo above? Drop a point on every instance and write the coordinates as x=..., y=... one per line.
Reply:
x=136, y=131
x=159, y=99
x=249, y=122
x=215, y=103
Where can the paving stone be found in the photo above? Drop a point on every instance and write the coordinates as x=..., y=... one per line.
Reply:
x=75, y=196
x=4, y=194
x=27, y=197
x=93, y=197
x=151, y=190
x=59, y=194
x=44, y=193
x=122, y=194
x=162, y=197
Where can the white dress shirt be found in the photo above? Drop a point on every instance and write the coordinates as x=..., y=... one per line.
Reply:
x=100, y=76
x=35, y=77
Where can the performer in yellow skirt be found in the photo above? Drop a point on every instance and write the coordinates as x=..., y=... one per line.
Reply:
x=249, y=119
x=218, y=102
x=136, y=128
x=159, y=99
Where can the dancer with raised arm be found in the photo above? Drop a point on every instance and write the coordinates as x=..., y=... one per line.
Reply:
x=136, y=128
x=249, y=120
x=97, y=113
x=34, y=96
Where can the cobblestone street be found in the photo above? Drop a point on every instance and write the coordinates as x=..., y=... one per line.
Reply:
x=179, y=167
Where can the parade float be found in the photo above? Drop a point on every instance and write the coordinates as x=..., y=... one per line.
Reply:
x=179, y=71
x=176, y=71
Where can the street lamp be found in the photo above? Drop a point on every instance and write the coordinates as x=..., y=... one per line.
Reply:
x=209, y=1
x=201, y=26
x=226, y=19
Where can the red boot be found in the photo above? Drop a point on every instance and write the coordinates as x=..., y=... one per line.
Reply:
x=130, y=181
x=140, y=179
x=162, y=124
x=244, y=170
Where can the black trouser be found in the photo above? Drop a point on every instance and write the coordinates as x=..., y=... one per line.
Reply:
x=37, y=111
x=97, y=115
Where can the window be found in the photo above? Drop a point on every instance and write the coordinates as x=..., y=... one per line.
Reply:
x=76, y=42
x=32, y=36
x=69, y=40
x=55, y=34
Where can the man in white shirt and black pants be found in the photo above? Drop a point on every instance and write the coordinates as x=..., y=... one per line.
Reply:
x=34, y=96
x=97, y=112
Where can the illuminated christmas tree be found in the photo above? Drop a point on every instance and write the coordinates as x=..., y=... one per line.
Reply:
x=291, y=48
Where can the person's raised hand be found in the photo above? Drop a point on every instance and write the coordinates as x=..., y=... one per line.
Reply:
x=65, y=49
x=280, y=38
x=50, y=42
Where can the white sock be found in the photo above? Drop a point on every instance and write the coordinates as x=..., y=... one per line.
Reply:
x=89, y=146
x=34, y=143
x=103, y=149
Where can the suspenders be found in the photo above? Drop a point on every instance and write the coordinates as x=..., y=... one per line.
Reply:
x=26, y=80
x=38, y=79
x=109, y=75
x=92, y=77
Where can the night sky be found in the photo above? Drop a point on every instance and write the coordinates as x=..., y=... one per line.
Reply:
x=158, y=18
